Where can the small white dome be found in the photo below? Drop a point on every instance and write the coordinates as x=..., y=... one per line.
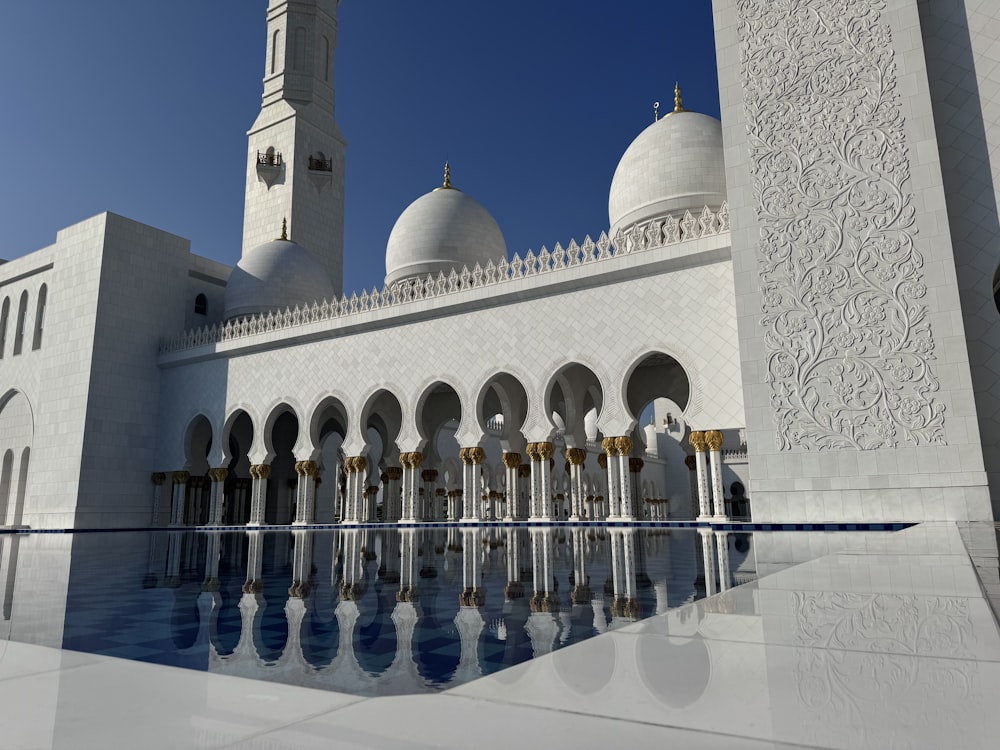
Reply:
x=274, y=276
x=674, y=165
x=441, y=230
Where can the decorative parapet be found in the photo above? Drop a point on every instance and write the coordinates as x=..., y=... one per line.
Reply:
x=655, y=233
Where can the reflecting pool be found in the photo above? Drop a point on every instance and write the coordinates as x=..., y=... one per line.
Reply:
x=368, y=611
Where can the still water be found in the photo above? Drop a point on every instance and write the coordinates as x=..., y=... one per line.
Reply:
x=375, y=611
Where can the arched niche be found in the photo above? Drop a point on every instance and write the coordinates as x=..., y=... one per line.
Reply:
x=574, y=398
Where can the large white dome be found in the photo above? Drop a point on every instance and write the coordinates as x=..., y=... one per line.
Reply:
x=274, y=276
x=441, y=230
x=675, y=164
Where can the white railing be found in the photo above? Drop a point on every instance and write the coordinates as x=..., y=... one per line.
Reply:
x=655, y=233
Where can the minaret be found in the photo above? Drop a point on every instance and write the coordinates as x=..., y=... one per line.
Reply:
x=295, y=160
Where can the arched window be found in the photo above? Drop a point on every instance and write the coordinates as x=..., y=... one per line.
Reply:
x=274, y=52
x=4, y=315
x=5, y=479
x=201, y=305
x=299, y=50
x=326, y=59
x=43, y=293
x=22, y=311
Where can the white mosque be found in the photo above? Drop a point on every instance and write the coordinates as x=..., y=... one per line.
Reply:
x=800, y=341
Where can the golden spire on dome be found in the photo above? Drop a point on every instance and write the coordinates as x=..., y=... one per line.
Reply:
x=284, y=229
x=446, y=185
x=678, y=105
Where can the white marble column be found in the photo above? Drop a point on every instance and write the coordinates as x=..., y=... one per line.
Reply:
x=218, y=479
x=305, y=492
x=541, y=484
x=472, y=483
x=576, y=458
x=411, y=463
x=714, y=439
x=391, y=498
x=158, y=479
x=430, y=509
x=355, y=467
x=698, y=442
x=178, y=497
x=259, y=474
x=613, y=498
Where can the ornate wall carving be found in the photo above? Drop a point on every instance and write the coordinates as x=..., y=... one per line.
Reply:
x=848, y=348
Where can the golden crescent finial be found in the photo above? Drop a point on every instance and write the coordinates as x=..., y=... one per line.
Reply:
x=656, y=111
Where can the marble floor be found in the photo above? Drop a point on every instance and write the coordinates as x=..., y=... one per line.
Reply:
x=891, y=641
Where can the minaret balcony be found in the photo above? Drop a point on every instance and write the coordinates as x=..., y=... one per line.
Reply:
x=269, y=165
x=320, y=165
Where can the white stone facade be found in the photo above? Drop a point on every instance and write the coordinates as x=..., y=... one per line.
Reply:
x=826, y=341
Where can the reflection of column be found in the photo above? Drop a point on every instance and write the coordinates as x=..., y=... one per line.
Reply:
x=301, y=564
x=218, y=479
x=212, y=553
x=255, y=561
x=259, y=474
x=472, y=483
x=408, y=549
x=541, y=484
x=713, y=438
x=472, y=591
x=180, y=480
x=158, y=480
x=610, y=446
x=391, y=500
x=581, y=580
x=511, y=464
x=625, y=607
x=172, y=579
x=543, y=623
x=430, y=510
x=698, y=442
x=708, y=559
x=411, y=484
x=576, y=458
x=305, y=492
x=722, y=542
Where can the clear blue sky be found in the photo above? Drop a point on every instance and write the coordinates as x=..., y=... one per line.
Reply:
x=141, y=107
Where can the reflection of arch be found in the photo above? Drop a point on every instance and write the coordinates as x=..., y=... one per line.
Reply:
x=573, y=392
x=661, y=660
x=590, y=675
x=376, y=641
x=185, y=618
x=320, y=641
x=505, y=395
x=655, y=375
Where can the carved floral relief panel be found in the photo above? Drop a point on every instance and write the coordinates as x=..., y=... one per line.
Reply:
x=848, y=348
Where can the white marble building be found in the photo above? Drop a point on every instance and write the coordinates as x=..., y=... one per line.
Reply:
x=479, y=384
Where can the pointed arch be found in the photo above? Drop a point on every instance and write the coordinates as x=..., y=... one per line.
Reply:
x=36, y=339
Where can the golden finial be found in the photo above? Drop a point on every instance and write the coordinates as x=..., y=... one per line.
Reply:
x=447, y=175
x=284, y=228
x=678, y=106
x=656, y=111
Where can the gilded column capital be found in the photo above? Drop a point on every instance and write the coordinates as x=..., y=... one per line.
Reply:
x=697, y=441
x=181, y=477
x=429, y=475
x=371, y=490
x=439, y=492
x=355, y=464
x=714, y=440
x=476, y=455
x=158, y=478
x=532, y=451
x=260, y=471
x=624, y=445
x=306, y=468
x=546, y=450
x=576, y=456
x=602, y=460
x=524, y=471
x=635, y=465
x=219, y=474
x=394, y=473
x=413, y=459
x=610, y=446
x=511, y=460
